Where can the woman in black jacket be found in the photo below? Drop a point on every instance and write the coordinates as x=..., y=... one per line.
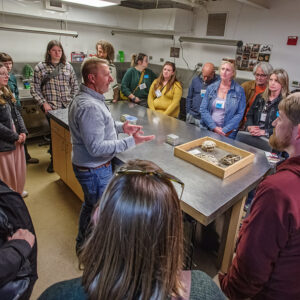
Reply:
x=12, y=137
x=264, y=109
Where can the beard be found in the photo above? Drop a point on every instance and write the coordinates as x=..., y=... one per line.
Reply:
x=281, y=144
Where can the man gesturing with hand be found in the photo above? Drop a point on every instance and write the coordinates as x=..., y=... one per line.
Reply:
x=94, y=137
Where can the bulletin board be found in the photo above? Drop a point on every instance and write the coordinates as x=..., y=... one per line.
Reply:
x=250, y=54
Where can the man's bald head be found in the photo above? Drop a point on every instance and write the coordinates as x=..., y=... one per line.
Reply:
x=208, y=72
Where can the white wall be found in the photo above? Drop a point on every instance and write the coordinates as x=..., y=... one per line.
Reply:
x=244, y=22
x=31, y=47
x=248, y=24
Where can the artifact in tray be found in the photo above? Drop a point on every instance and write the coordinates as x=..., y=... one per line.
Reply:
x=229, y=159
x=208, y=146
x=222, y=160
x=216, y=156
x=210, y=158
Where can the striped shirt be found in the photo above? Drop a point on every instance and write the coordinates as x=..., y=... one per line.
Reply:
x=59, y=90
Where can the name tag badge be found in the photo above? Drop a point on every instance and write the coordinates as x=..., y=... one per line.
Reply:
x=277, y=114
x=146, y=76
x=202, y=93
x=220, y=104
x=142, y=86
x=263, y=117
x=158, y=93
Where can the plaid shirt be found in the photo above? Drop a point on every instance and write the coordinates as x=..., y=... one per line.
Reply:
x=58, y=91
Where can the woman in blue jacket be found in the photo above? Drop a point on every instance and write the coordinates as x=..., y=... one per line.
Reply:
x=224, y=103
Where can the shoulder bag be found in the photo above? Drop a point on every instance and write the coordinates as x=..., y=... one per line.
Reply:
x=123, y=97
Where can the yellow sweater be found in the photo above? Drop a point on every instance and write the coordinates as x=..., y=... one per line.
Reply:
x=168, y=103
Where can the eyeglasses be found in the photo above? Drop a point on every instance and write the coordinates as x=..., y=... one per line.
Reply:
x=4, y=75
x=125, y=171
x=261, y=75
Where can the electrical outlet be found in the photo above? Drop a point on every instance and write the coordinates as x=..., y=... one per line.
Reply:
x=161, y=59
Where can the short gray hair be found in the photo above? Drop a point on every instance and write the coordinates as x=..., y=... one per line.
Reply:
x=266, y=68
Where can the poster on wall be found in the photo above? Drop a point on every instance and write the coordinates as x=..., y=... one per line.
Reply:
x=249, y=55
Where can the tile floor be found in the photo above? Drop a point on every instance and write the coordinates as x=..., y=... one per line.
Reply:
x=54, y=209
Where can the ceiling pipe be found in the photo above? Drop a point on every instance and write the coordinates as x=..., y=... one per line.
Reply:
x=143, y=34
x=236, y=43
x=256, y=3
x=192, y=3
x=38, y=30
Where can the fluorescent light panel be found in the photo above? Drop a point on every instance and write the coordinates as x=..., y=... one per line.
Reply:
x=144, y=34
x=37, y=30
x=95, y=3
x=211, y=41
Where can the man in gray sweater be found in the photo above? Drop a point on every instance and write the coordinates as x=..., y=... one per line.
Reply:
x=94, y=138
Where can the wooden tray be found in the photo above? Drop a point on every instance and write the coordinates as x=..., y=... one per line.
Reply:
x=223, y=172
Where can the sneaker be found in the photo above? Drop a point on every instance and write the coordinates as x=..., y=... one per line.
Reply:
x=32, y=160
x=50, y=168
x=24, y=194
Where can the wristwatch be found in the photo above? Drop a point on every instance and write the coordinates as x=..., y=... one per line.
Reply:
x=133, y=99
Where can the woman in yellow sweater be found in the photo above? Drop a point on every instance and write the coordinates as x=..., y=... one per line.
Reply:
x=166, y=91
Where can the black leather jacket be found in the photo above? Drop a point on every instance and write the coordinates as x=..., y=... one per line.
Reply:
x=9, y=113
x=14, y=252
x=254, y=113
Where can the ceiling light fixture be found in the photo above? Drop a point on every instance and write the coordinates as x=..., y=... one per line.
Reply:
x=94, y=3
x=211, y=41
x=144, y=34
x=38, y=30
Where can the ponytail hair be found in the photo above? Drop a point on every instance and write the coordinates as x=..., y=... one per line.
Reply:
x=135, y=58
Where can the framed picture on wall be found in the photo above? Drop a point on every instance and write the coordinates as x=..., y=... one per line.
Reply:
x=250, y=54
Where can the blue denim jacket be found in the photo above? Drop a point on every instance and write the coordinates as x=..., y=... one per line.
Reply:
x=194, y=98
x=234, y=107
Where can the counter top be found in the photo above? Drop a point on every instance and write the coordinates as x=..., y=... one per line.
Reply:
x=205, y=195
x=24, y=94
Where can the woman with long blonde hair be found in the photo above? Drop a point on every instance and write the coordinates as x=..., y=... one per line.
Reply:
x=224, y=103
x=12, y=137
x=166, y=91
x=264, y=109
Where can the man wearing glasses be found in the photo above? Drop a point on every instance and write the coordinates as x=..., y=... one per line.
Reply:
x=254, y=87
x=94, y=137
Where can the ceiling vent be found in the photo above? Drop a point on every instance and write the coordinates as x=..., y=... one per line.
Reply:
x=216, y=24
x=56, y=5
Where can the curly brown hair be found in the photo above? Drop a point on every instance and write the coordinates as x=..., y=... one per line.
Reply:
x=108, y=49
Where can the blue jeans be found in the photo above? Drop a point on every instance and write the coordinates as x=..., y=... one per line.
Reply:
x=93, y=183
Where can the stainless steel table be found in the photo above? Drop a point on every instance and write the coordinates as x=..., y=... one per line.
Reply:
x=205, y=196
